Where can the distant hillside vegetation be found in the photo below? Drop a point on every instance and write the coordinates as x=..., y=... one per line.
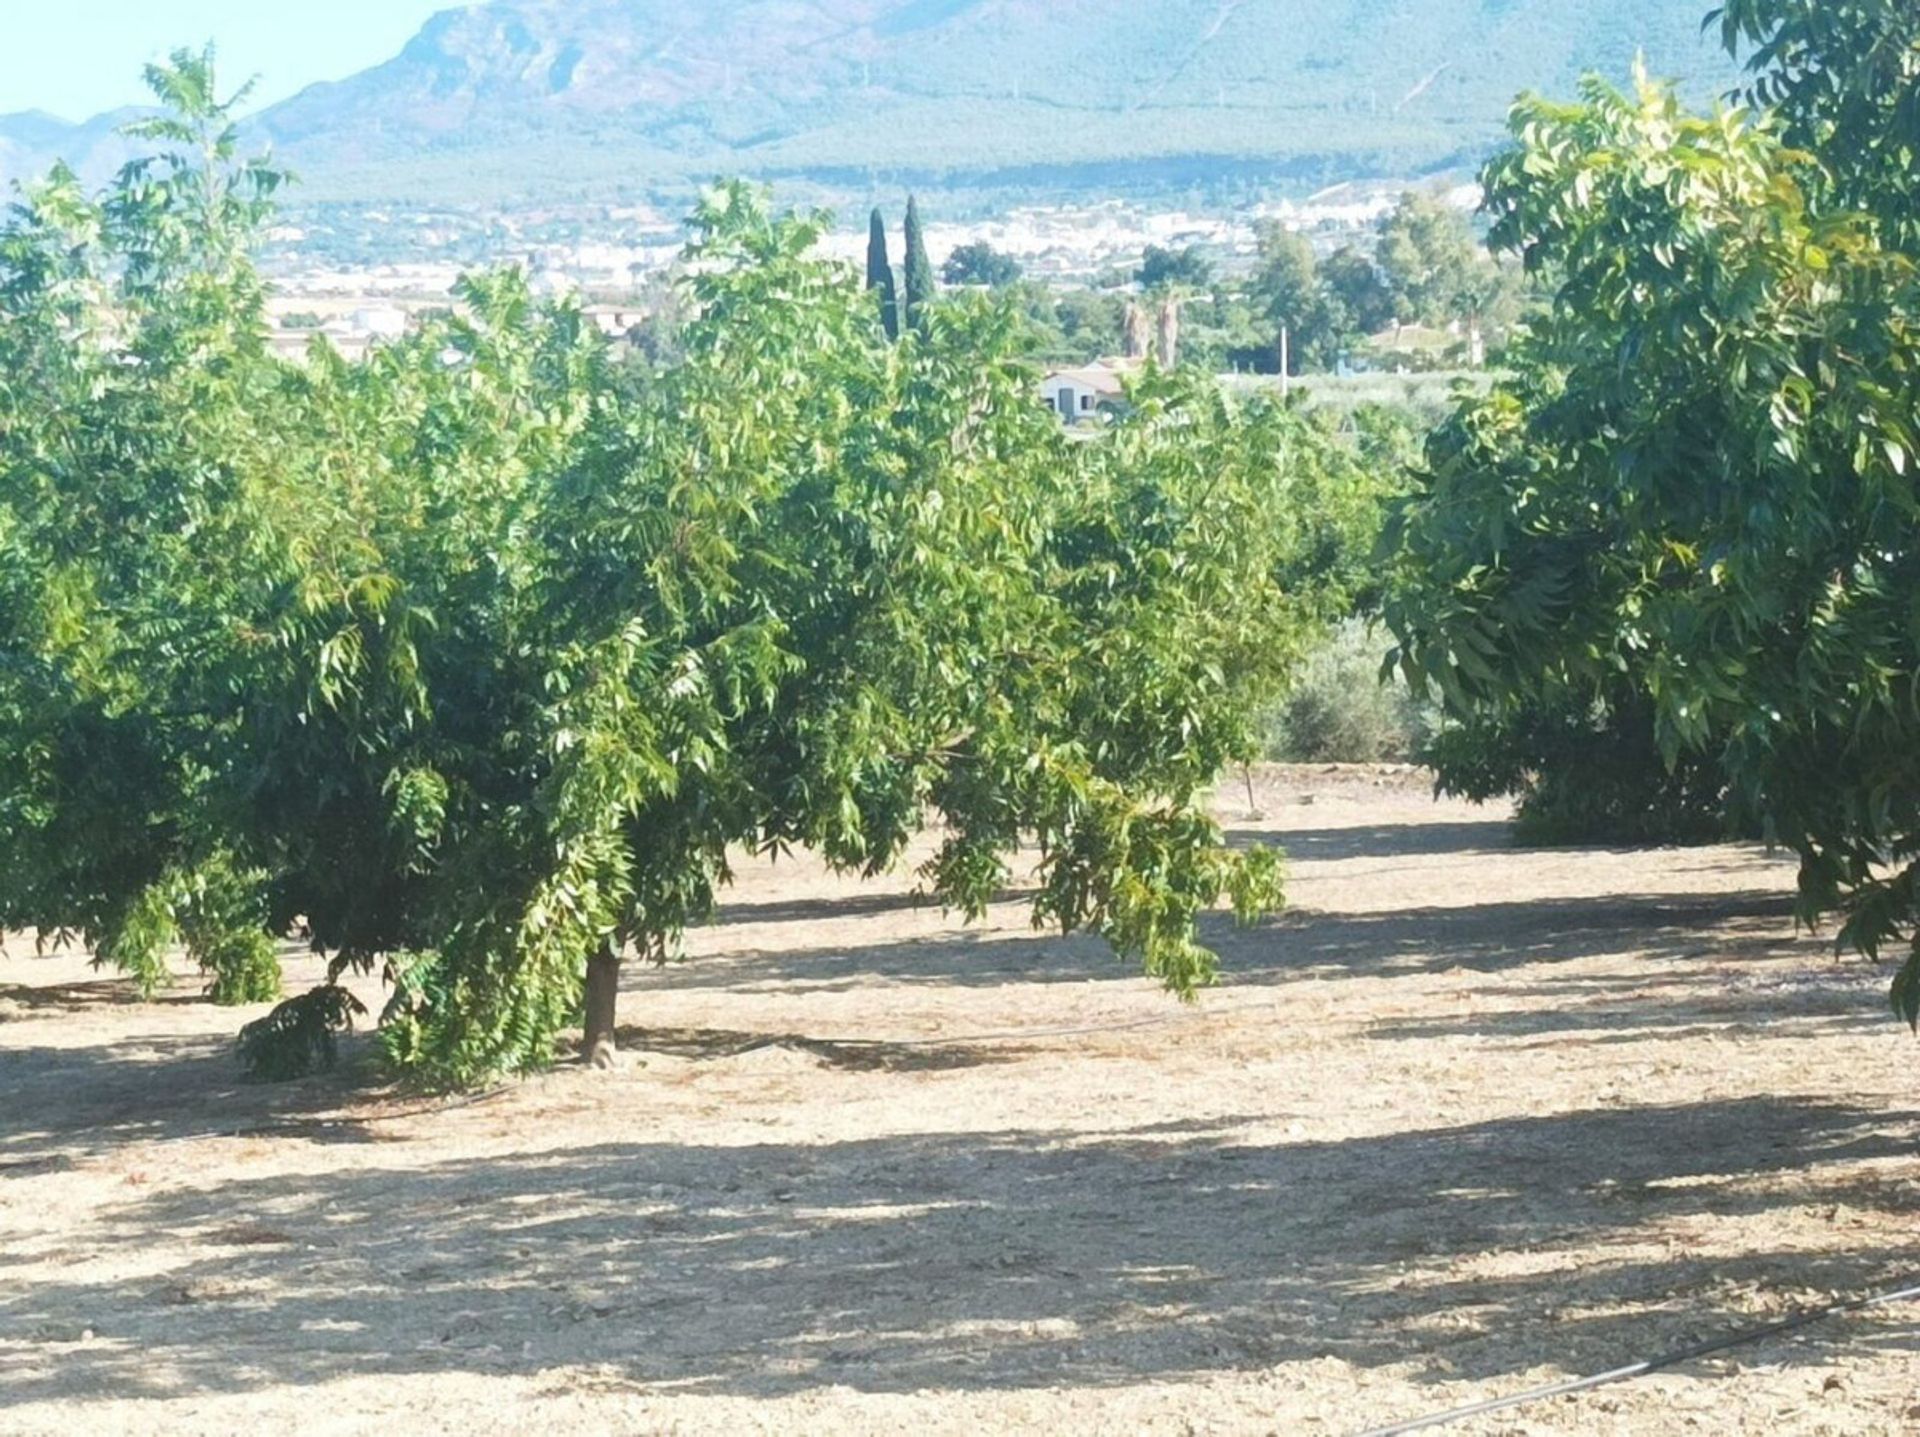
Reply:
x=556, y=98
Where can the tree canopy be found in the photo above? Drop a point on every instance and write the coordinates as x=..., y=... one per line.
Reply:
x=920, y=289
x=479, y=662
x=1360, y=293
x=1293, y=297
x=1694, y=501
x=979, y=263
x=1162, y=269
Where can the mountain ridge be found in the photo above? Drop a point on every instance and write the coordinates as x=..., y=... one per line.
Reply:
x=539, y=99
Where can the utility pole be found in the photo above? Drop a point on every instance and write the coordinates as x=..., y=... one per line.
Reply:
x=1286, y=361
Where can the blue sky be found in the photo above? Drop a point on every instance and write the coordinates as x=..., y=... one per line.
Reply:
x=79, y=57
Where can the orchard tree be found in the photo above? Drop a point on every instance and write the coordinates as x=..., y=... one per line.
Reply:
x=478, y=663
x=141, y=426
x=1842, y=78
x=812, y=592
x=1696, y=497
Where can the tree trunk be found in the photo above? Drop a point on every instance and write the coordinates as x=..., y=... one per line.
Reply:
x=1169, y=335
x=603, y=1000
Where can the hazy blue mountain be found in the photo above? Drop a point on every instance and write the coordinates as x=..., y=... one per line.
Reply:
x=558, y=97
x=31, y=141
x=33, y=129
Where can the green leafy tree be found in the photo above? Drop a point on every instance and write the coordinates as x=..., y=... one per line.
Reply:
x=1427, y=255
x=1439, y=273
x=655, y=337
x=1225, y=330
x=1694, y=500
x=1365, y=301
x=140, y=423
x=479, y=661
x=981, y=264
x=1072, y=326
x=921, y=288
x=1294, y=299
x=1164, y=269
x=1842, y=81
x=834, y=655
x=880, y=280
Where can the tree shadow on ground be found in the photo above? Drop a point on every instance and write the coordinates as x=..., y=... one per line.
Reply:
x=974, y=1261
x=82, y=1100
x=1500, y=937
x=859, y=1055
x=1559, y=1014
x=94, y=993
x=734, y=913
x=1380, y=840
x=67, y=997
x=1296, y=946
x=967, y=1261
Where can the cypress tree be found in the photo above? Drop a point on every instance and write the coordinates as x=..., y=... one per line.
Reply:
x=919, y=269
x=880, y=274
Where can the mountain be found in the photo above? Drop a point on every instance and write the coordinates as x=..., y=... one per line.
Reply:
x=32, y=140
x=547, y=99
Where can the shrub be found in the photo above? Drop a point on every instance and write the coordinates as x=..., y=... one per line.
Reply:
x=1590, y=774
x=1340, y=711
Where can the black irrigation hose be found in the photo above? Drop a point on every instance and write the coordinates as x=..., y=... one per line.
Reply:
x=1657, y=1364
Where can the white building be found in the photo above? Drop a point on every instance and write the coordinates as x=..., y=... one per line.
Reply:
x=1076, y=395
x=378, y=323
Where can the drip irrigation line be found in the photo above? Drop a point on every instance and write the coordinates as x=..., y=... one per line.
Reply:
x=1679, y=1358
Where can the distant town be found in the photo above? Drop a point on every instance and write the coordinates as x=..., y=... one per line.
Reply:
x=359, y=275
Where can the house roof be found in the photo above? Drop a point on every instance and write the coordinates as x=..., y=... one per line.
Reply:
x=1096, y=377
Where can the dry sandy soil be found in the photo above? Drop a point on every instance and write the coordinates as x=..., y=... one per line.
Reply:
x=1464, y=1121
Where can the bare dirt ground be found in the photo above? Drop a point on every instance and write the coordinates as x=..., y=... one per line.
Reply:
x=1466, y=1120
